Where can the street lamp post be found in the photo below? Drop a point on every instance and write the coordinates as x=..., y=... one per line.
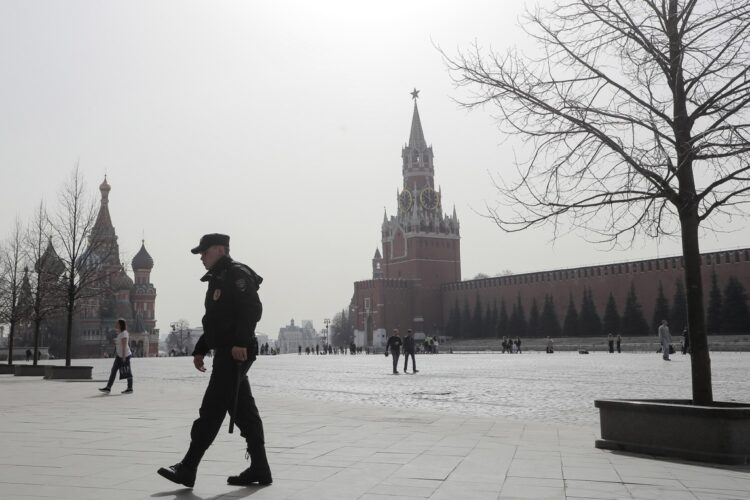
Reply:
x=327, y=322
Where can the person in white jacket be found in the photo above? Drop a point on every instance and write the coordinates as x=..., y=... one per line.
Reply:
x=665, y=339
x=122, y=359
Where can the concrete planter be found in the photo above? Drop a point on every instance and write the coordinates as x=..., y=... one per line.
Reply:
x=53, y=372
x=6, y=369
x=677, y=428
x=29, y=370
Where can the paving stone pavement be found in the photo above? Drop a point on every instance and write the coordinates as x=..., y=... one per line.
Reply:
x=65, y=440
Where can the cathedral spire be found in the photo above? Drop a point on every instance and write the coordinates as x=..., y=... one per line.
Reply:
x=103, y=225
x=416, y=137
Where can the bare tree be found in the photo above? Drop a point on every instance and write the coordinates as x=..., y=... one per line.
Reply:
x=180, y=339
x=46, y=290
x=11, y=278
x=84, y=255
x=635, y=116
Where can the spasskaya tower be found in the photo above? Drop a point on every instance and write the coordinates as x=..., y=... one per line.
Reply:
x=420, y=251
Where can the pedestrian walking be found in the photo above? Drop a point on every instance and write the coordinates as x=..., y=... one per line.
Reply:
x=619, y=342
x=410, y=350
x=394, y=345
x=665, y=339
x=685, y=341
x=611, y=342
x=232, y=310
x=122, y=359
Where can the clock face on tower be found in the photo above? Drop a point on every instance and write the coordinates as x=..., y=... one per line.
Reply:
x=428, y=198
x=405, y=200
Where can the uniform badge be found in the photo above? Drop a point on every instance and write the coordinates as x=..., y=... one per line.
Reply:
x=217, y=293
x=241, y=284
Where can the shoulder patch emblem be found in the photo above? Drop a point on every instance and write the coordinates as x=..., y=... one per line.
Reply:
x=241, y=284
x=217, y=293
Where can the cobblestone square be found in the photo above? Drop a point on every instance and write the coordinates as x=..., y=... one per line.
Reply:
x=468, y=426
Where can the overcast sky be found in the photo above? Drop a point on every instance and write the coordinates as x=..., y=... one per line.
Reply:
x=279, y=123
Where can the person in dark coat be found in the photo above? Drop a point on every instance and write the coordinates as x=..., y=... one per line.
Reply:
x=233, y=308
x=394, y=346
x=619, y=343
x=410, y=349
x=685, y=341
x=611, y=342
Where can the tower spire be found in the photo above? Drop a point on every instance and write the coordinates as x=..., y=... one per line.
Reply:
x=416, y=137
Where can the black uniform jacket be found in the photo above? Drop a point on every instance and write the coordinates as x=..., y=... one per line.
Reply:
x=233, y=307
x=394, y=343
x=409, y=346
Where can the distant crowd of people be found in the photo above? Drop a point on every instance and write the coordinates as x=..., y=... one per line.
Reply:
x=511, y=346
x=329, y=349
x=265, y=350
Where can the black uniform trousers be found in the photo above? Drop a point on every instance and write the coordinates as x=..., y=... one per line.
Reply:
x=395, y=353
x=219, y=400
x=406, y=360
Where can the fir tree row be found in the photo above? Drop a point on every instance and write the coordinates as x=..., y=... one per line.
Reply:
x=727, y=313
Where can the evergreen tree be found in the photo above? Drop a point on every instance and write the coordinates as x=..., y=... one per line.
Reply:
x=611, y=317
x=458, y=326
x=452, y=327
x=661, y=310
x=487, y=326
x=713, y=316
x=502, y=320
x=521, y=327
x=633, y=323
x=517, y=322
x=492, y=324
x=477, y=320
x=735, y=317
x=678, y=320
x=466, y=320
x=532, y=329
x=570, y=325
x=548, y=323
x=589, y=322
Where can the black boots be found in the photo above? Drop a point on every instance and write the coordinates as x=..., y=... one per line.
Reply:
x=180, y=474
x=258, y=472
x=250, y=476
x=184, y=472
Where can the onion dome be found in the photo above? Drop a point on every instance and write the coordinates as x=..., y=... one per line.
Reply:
x=49, y=263
x=104, y=186
x=142, y=259
x=121, y=281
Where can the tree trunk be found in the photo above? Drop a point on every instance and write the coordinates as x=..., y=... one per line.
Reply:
x=700, y=361
x=36, y=341
x=68, y=335
x=11, y=334
x=69, y=326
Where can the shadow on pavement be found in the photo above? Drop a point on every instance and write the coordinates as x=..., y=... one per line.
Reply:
x=187, y=494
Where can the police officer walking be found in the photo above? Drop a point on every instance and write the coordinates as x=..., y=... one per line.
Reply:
x=394, y=345
x=233, y=308
x=409, y=350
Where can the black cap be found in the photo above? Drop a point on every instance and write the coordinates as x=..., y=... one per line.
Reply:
x=209, y=240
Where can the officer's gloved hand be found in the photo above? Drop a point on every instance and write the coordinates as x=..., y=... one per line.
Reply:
x=239, y=353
